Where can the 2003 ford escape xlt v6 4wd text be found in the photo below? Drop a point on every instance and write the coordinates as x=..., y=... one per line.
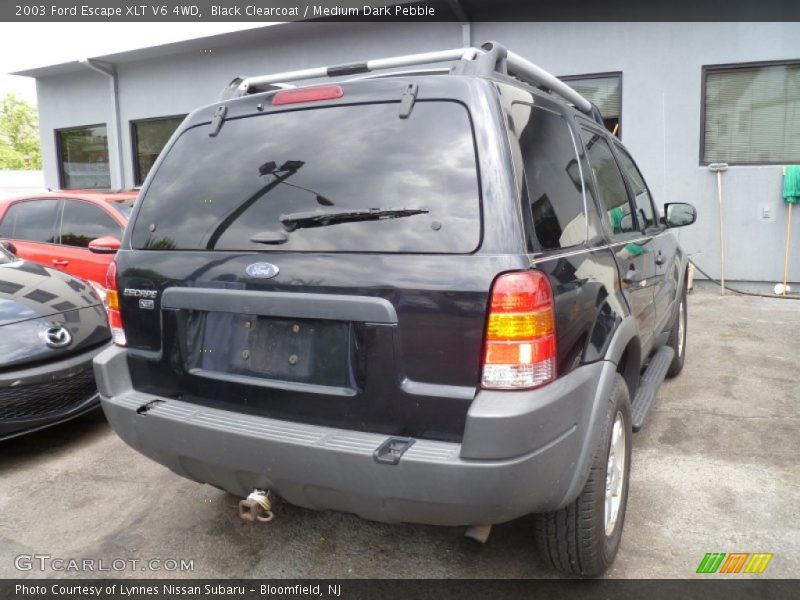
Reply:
x=440, y=296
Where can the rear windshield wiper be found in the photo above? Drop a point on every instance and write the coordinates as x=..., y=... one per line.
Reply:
x=300, y=220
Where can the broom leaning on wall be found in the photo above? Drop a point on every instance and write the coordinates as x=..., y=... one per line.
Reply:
x=791, y=195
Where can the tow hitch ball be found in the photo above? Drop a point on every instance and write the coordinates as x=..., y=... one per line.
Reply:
x=257, y=507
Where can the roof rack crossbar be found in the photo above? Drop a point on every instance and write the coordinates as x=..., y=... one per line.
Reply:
x=503, y=61
x=363, y=67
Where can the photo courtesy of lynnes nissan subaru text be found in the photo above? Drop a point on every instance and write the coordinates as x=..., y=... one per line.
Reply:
x=439, y=296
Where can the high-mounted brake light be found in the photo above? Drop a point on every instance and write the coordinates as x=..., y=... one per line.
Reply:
x=112, y=306
x=311, y=94
x=520, y=347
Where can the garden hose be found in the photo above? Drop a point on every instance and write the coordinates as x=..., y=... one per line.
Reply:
x=742, y=292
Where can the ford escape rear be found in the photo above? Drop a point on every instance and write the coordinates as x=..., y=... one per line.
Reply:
x=415, y=298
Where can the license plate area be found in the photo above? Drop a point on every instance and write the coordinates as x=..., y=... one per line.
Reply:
x=308, y=351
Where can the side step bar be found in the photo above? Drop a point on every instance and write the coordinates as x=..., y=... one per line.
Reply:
x=649, y=385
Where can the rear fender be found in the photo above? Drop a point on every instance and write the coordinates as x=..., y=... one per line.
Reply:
x=624, y=334
x=625, y=331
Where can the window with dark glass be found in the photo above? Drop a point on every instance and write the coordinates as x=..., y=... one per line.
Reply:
x=149, y=138
x=641, y=195
x=334, y=179
x=83, y=158
x=552, y=175
x=751, y=114
x=83, y=222
x=31, y=221
x=610, y=185
x=605, y=92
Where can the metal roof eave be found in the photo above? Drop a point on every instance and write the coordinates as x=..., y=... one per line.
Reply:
x=181, y=47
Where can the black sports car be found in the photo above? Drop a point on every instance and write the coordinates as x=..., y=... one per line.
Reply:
x=51, y=326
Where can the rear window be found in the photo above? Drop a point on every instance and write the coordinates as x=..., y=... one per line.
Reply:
x=305, y=180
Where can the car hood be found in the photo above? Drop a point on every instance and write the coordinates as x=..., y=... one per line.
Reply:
x=31, y=291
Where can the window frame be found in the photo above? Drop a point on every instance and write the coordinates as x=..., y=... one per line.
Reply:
x=59, y=153
x=611, y=237
x=138, y=180
x=738, y=66
x=619, y=150
x=525, y=200
x=568, y=78
x=60, y=222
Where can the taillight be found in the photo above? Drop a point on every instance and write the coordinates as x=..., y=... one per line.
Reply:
x=520, y=347
x=112, y=306
x=311, y=94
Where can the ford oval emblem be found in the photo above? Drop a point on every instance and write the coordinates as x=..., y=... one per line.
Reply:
x=262, y=270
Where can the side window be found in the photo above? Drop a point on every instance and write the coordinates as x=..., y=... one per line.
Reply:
x=83, y=222
x=83, y=157
x=552, y=175
x=32, y=221
x=611, y=188
x=149, y=138
x=644, y=205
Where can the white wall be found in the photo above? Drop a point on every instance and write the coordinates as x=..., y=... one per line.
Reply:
x=69, y=100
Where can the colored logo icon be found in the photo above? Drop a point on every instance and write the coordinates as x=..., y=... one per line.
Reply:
x=734, y=563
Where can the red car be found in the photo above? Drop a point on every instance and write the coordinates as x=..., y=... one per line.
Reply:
x=76, y=231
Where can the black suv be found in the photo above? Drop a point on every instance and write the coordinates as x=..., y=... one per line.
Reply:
x=438, y=297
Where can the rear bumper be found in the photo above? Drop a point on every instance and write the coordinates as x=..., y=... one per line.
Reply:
x=37, y=397
x=547, y=436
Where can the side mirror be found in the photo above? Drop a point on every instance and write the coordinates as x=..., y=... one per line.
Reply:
x=10, y=248
x=105, y=245
x=679, y=214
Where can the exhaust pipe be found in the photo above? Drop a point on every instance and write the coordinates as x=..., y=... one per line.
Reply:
x=256, y=507
x=479, y=533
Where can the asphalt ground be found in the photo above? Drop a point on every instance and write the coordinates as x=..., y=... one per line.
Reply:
x=715, y=469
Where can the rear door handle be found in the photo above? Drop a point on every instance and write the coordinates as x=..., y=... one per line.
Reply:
x=660, y=259
x=631, y=275
x=60, y=263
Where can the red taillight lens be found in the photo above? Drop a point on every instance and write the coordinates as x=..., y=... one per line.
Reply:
x=112, y=306
x=311, y=94
x=520, y=347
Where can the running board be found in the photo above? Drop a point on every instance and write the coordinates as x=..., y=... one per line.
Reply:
x=650, y=384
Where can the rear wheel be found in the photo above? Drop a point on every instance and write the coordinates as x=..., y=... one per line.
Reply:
x=583, y=538
x=677, y=340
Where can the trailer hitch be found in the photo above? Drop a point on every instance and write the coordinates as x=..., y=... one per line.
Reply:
x=257, y=507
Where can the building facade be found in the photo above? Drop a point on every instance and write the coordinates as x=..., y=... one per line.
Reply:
x=680, y=95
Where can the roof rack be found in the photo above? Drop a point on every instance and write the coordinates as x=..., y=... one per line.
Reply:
x=490, y=59
x=407, y=73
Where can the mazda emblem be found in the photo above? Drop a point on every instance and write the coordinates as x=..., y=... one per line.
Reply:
x=56, y=336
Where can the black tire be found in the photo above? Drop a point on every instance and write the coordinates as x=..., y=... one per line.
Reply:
x=574, y=539
x=676, y=366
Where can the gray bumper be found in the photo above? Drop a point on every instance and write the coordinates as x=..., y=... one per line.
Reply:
x=36, y=384
x=546, y=436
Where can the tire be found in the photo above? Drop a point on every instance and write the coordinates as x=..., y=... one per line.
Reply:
x=677, y=339
x=575, y=539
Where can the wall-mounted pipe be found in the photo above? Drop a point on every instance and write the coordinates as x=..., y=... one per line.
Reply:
x=110, y=71
x=720, y=168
